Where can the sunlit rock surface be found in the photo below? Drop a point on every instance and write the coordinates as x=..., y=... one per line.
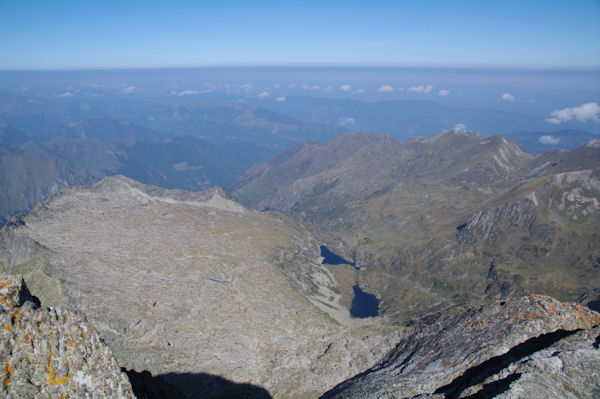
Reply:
x=532, y=346
x=52, y=352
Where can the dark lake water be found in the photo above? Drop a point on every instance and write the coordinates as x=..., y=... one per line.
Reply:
x=329, y=258
x=364, y=304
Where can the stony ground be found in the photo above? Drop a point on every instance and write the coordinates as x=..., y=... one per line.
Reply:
x=184, y=284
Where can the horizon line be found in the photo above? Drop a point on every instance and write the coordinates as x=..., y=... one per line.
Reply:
x=588, y=68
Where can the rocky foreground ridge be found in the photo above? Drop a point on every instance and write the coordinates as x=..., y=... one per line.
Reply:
x=533, y=346
x=51, y=352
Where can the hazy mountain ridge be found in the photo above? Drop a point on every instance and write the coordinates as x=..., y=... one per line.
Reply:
x=404, y=119
x=33, y=171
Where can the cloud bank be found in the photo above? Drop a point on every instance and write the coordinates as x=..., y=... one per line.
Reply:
x=346, y=121
x=460, y=127
x=508, y=97
x=420, y=89
x=385, y=89
x=548, y=140
x=128, y=89
x=346, y=87
x=443, y=93
x=582, y=113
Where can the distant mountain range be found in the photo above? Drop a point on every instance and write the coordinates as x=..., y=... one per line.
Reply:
x=268, y=123
x=404, y=119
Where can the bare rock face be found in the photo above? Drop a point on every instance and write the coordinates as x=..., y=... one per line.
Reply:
x=192, y=288
x=533, y=346
x=50, y=352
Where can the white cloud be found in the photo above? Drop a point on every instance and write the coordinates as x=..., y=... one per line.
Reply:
x=246, y=86
x=400, y=88
x=346, y=121
x=549, y=140
x=508, y=97
x=346, y=87
x=582, y=113
x=443, y=93
x=188, y=93
x=420, y=89
x=292, y=85
x=276, y=86
x=128, y=90
x=263, y=95
x=385, y=89
x=359, y=90
x=280, y=99
x=460, y=127
x=67, y=94
x=531, y=100
x=307, y=87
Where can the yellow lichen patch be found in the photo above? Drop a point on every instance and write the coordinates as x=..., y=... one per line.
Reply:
x=71, y=342
x=16, y=317
x=8, y=369
x=7, y=327
x=53, y=379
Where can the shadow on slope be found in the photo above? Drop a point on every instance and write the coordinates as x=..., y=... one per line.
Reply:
x=190, y=385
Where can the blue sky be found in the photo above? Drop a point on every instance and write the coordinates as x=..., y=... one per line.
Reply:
x=115, y=34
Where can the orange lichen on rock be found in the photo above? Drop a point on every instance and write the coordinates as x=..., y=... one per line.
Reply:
x=52, y=378
x=479, y=323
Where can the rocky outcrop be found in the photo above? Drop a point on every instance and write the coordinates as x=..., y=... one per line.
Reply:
x=51, y=352
x=533, y=346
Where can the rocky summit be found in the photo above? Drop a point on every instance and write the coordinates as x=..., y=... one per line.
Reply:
x=52, y=352
x=194, y=290
x=533, y=346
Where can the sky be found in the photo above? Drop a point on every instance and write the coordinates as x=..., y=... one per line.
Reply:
x=90, y=34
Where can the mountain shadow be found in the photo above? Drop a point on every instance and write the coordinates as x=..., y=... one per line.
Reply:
x=190, y=385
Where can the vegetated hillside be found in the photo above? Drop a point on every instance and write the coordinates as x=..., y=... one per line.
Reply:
x=403, y=212
x=33, y=171
x=194, y=288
